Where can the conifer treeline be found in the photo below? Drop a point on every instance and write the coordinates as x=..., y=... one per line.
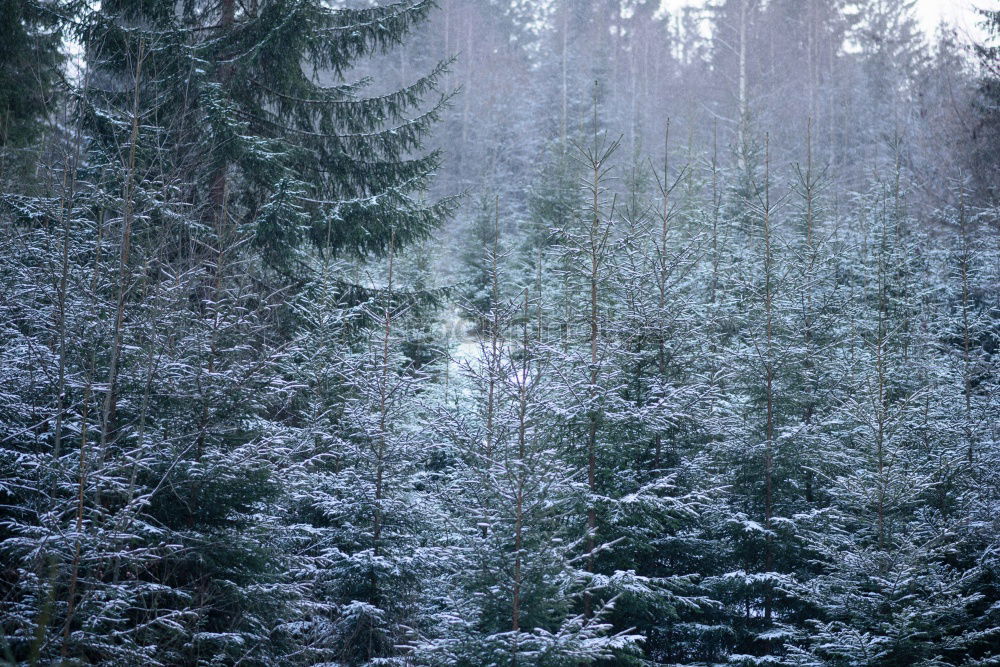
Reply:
x=704, y=408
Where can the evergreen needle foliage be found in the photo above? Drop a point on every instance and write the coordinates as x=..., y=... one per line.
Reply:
x=716, y=389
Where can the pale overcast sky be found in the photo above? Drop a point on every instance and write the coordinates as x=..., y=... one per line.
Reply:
x=960, y=13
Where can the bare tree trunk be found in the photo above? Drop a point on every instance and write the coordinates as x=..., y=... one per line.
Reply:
x=467, y=91
x=768, y=378
x=809, y=187
x=661, y=282
x=811, y=57
x=716, y=204
x=964, y=262
x=67, y=202
x=383, y=408
x=128, y=191
x=110, y=398
x=565, y=67
x=744, y=111
x=592, y=420
x=522, y=424
x=494, y=333
x=595, y=250
x=882, y=397
x=217, y=188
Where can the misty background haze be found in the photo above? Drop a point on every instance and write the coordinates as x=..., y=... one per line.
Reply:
x=865, y=74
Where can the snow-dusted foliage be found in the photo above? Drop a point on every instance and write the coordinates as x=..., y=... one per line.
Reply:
x=271, y=395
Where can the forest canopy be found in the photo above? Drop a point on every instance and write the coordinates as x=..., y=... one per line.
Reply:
x=498, y=332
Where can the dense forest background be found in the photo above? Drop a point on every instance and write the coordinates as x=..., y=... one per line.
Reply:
x=498, y=332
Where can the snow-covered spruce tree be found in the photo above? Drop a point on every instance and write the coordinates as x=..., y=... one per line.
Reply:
x=423, y=340
x=553, y=200
x=953, y=417
x=30, y=60
x=604, y=426
x=48, y=405
x=519, y=578
x=553, y=207
x=587, y=376
x=361, y=512
x=214, y=476
x=260, y=113
x=756, y=427
x=699, y=319
x=964, y=320
x=144, y=533
x=147, y=544
x=655, y=444
x=892, y=591
x=68, y=541
x=816, y=307
x=477, y=271
x=985, y=165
